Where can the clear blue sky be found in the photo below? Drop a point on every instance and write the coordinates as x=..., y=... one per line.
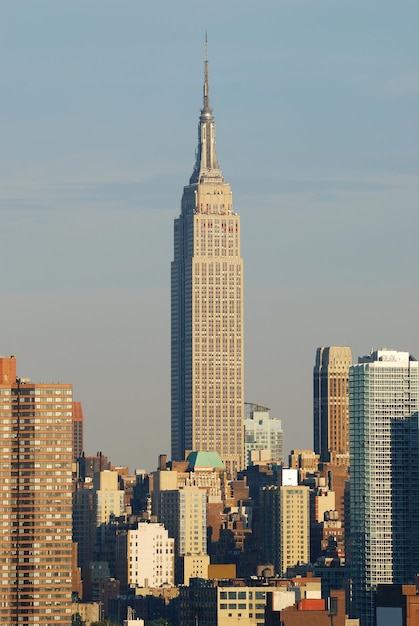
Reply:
x=316, y=107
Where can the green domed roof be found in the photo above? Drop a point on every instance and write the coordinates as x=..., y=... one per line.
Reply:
x=208, y=458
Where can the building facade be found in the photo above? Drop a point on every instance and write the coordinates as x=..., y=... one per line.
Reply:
x=207, y=311
x=150, y=556
x=84, y=524
x=285, y=526
x=384, y=487
x=215, y=603
x=262, y=432
x=331, y=404
x=78, y=430
x=252, y=602
x=184, y=514
x=109, y=497
x=36, y=448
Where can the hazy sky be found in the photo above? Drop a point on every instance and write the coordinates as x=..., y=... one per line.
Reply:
x=316, y=107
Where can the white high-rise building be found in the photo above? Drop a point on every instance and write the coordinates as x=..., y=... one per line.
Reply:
x=207, y=311
x=384, y=475
x=150, y=556
x=262, y=432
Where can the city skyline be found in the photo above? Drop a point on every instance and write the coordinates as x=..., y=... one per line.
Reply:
x=317, y=128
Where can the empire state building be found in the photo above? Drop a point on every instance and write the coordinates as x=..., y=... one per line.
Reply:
x=207, y=310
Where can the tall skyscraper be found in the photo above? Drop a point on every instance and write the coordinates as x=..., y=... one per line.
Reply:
x=331, y=404
x=384, y=487
x=36, y=447
x=207, y=310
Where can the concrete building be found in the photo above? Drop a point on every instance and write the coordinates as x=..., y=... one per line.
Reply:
x=321, y=500
x=327, y=538
x=89, y=611
x=384, y=487
x=262, y=432
x=201, y=469
x=150, y=556
x=36, y=446
x=183, y=512
x=305, y=461
x=331, y=404
x=207, y=311
x=285, y=526
x=243, y=601
x=109, y=498
x=337, y=479
x=96, y=505
x=88, y=466
x=109, y=507
x=84, y=524
x=213, y=603
x=309, y=611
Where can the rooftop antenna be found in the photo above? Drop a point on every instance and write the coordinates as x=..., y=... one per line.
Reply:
x=206, y=81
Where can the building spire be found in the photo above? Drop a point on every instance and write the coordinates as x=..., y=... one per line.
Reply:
x=206, y=166
x=206, y=82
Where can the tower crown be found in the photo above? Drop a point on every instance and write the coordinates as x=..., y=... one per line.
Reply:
x=206, y=168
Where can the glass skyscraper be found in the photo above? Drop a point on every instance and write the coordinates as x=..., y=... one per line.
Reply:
x=262, y=432
x=384, y=475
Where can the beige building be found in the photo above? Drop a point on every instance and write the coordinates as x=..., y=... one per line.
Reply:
x=285, y=522
x=202, y=469
x=36, y=445
x=323, y=501
x=331, y=404
x=305, y=461
x=207, y=311
x=150, y=556
x=109, y=498
x=294, y=526
x=194, y=566
x=244, y=605
x=234, y=603
x=183, y=512
x=88, y=611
